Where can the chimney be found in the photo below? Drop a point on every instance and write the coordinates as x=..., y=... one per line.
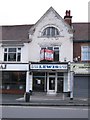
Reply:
x=68, y=17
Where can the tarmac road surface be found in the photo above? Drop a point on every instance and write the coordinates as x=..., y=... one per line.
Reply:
x=43, y=112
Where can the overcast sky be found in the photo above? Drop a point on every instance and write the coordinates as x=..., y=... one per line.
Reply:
x=18, y=12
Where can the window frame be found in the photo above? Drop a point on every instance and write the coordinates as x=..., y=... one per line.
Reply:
x=16, y=53
x=85, y=54
x=50, y=32
x=53, y=48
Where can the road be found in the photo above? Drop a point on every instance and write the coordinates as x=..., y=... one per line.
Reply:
x=44, y=112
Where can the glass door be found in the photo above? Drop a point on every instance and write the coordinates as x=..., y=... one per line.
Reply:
x=52, y=83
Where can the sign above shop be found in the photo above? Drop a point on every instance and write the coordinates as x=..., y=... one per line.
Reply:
x=14, y=67
x=80, y=68
x=49, y=66
x=2, y=66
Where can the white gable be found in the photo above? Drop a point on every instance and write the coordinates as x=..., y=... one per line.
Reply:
x=51, y=19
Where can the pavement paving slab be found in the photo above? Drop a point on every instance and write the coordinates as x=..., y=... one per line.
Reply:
x=36, y=100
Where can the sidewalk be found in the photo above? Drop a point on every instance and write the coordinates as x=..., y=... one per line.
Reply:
x=42, y=100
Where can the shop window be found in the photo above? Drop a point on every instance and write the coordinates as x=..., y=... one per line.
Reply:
x=13, y=80
x=38, y=81
x=12, y=54
x=60, y=82
x=56, y=53
x=49, y=54
x=50, y=32
x=85, y=53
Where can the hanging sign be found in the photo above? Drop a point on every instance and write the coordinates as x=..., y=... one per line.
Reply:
x=46, y=54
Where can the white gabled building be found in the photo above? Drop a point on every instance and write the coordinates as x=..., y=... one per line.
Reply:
x=41, y=53
x=50, y=51
x=51, y=31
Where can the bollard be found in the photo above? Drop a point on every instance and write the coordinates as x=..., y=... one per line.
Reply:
x=27, y=96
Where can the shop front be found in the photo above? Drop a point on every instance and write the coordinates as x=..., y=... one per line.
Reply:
x=81, y=79
x=51, y=78
x=14, y=78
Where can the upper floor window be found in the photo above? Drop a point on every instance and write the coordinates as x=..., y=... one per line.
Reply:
x=12, y=54
x=50, y=53
x=85, y=53
x=50, y=32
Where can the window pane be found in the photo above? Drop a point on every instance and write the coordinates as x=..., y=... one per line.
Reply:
x=56, y=56
x=12, y=50
x=5, y=49
x=48, y=31
x=88, y=52
x=43, y=48
x=56, y=48
x=19, y=50
x=52, y=31
x=56, y=53
x=85, y=53
x=44, y=32
x=11, y=56
x=5, y=56
x=50, y=48
x=18, y=56
x=57, y=32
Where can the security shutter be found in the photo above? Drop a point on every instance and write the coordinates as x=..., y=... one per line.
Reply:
x=81, y=86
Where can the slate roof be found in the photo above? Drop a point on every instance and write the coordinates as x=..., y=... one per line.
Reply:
x=81, y=31
x=20, y=32
x=16, y=32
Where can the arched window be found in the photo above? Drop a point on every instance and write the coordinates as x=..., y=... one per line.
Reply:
x=50, y=32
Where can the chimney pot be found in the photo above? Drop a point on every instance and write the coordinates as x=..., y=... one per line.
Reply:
x=68, y=17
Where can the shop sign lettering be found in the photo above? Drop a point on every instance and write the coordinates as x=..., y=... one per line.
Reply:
x=82, y=68
x=50, y=66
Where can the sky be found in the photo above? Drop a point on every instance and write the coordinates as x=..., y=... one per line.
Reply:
x=19, y=12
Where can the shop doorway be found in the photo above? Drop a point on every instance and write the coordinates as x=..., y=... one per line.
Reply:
x=38, y=81
x=51, y=83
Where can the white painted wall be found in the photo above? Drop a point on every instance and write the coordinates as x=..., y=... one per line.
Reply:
x=64, y=41
x=24, y=53
x=65, y=84
x=1, y=53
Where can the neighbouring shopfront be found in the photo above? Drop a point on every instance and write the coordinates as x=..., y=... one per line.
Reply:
x=81, y=79
x=49, y=77
x=48, y=81
x=13, y=82
x=14, y=78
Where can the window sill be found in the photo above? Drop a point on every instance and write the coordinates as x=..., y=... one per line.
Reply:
x=12, y=62
x=50, y=36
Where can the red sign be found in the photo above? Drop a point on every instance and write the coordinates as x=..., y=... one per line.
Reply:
x=46, y=54
x=42, y=54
